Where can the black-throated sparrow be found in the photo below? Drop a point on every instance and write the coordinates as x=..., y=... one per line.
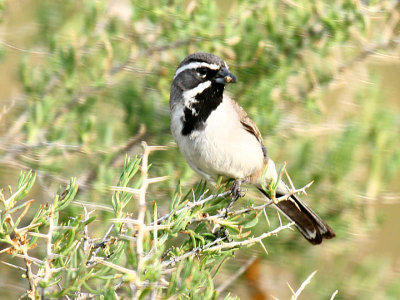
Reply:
x=217, y=138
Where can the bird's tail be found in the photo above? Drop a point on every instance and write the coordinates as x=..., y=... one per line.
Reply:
x=310, y=225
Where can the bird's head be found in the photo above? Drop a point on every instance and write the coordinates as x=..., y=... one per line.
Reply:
x=202, y=68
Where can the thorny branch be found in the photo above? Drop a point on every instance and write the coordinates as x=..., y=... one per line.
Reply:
x=141, y=226
x=302, y=286
x=223, y=245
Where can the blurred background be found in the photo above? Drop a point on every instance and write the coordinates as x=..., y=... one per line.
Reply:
x=83, y=82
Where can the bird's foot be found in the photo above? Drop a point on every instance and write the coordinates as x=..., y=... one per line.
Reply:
x=223, y=234
x=236, y=193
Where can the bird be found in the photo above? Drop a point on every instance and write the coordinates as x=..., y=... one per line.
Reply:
x=217, y=138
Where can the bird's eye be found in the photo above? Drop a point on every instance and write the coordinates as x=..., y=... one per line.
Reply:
x=202, y=72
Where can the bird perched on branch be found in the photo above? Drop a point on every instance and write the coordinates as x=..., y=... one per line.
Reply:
x=217, y=138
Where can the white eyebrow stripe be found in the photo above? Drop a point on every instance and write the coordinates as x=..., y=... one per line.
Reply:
x=195, y=65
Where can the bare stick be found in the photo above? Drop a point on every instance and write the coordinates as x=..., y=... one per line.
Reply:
x=142, y=205
x=223, y=246
x=334, y=294
x=142, y=200
x=193, y=204
x=302, y=286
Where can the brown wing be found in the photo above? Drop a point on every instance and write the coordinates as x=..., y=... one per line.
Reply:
x=249, y=125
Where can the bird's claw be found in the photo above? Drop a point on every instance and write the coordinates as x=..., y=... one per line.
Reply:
x=236, y=192
x=223, y=234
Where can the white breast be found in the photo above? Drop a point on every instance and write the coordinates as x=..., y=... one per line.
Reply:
x=224, y=147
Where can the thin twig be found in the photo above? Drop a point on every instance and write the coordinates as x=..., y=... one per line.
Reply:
x=24, y=50
x=49, y=246
x=142, y=206
x=155, y=229
x=102, y=261
x=190, y=205
x=223, y=246
x=92, y=258
x=215, y=218
x=334, y=294
x=13, y=266
x=302, y=286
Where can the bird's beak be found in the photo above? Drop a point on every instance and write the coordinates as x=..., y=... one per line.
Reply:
x=224, y=76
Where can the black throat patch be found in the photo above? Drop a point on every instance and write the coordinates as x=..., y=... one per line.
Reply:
x=206, y=102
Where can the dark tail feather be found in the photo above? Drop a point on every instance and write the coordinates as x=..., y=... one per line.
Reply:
x=309, y=224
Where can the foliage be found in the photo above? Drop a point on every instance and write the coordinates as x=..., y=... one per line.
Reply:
x=134, y=258
x=100, y=84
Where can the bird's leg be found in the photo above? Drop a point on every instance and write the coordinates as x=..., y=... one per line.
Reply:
x=236, y=192
x=223, y=234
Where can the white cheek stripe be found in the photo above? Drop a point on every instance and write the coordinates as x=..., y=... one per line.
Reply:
x=189, y=96
x=195, y=65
